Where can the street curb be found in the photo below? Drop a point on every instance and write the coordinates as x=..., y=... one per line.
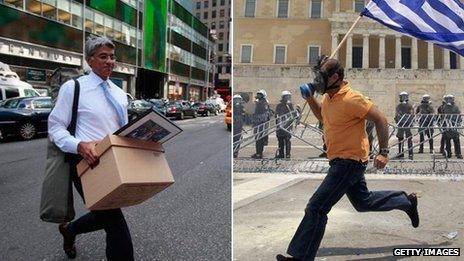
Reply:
x=266, y=193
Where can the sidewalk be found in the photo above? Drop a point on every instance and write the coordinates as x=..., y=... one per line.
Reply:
x=269, y=207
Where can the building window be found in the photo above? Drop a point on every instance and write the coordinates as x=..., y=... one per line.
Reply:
x=357, y=57
x=198, y=15
x=250, y=7
x=313, y=54
x=76, y=11
x=109, y=27
x=99, y=28
x=214, y=3
x=220, y=47
x=221, y=13
x=34, y=6
x=49, y=9
x=246, y=53
x=220, y=59
x=453, y=60
x=14, y=3
x=64, y=14
x=358, y=6
x=213, y=14
x=282, y=8
x=221, y=24
x=89, y=20
x=223, y=2
x=205, y=15
x=227, y=69
x=221, y=36
x=315, y=9
x=198, y=5
x=213, y=25
x=280, y=53
x=205, y=4
x=406, y=57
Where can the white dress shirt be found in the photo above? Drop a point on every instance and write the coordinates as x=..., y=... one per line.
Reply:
x=96, y=116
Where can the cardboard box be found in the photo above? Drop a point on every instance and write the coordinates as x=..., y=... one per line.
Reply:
x=130, y=171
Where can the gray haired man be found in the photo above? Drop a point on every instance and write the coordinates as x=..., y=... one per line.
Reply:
x=102, y=110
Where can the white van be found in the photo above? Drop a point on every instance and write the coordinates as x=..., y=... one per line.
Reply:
x=11, y=87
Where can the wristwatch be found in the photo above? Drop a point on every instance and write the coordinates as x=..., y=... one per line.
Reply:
x=384, y=152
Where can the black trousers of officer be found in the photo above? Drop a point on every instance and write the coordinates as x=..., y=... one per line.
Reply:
x=237, y=137
x=429, y=133
x=401, y=133
x=284, y=145
x=118, y=238
x=452, y=135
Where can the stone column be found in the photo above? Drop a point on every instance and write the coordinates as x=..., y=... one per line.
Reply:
x=365, y=51
x=337, y=6
x=446, y=59
x=382, y=51
x=335, y=44
x=398, y=51
x=349, y=51
x=430, y=59
x=414, y=57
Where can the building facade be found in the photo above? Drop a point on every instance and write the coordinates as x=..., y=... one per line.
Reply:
x=277, y=42
x=38, y=36
x=216, y=15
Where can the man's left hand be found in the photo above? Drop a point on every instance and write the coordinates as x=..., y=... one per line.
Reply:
x=380, y=161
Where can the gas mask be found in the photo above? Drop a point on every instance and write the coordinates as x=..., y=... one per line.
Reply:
x=321, y=79
x=426, y=100
x=449, y=100
x=238, y=101
x=259, y=96
x=404, y=98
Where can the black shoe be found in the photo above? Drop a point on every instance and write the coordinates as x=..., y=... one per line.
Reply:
x=280, y=257
x=401, y=156
x=256, y=156
x=420, y=151
x=68, y=241
x=411, y=157
x=279, y=156
x=413, y=213
x=459, y=156
x=287, y=156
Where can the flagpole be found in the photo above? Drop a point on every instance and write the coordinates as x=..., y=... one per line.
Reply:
x=346, y=36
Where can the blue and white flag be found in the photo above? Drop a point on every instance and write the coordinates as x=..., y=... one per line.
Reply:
x=437, y=21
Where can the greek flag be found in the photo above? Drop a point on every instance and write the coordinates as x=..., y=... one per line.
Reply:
x=437, y=21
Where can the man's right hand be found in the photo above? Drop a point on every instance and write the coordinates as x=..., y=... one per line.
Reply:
x=307, y=90
x=88, y=152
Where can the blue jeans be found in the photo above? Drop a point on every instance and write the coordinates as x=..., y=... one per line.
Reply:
x=343, y=177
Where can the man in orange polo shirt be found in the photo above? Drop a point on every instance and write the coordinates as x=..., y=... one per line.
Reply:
x=344, y=112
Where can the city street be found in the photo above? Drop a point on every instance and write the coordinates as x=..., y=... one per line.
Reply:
x=190, y=220
x=269, y=207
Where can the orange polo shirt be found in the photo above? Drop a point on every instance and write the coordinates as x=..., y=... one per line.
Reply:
x=344, y=121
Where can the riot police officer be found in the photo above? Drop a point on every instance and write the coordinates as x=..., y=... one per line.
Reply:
x=404, y=124
x=440, y=121
x=452, y=119
x=261, y=117
x=239, y=118
x=426, y=121
x=285, y=107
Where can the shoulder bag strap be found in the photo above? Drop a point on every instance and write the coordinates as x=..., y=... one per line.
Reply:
x=72, y=125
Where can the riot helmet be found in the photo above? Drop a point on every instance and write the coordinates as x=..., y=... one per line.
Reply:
x=426, y=99
x=237, y=99
x=449, y=99
x=404, y=97
x=261, y=94
x=286, y=96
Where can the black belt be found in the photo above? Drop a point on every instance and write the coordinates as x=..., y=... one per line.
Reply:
x=364, y=163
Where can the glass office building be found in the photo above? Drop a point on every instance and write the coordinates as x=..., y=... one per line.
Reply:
x=37, y=36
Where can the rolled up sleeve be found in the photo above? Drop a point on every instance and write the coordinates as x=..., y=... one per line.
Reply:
x=60, y=118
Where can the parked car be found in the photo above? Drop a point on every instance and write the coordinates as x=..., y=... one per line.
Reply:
x=218, y=101
x=158, y=105
x=137, y=107
x=228, y=118
x=180, y=109
x=205, y=109
x=25, y=116
x=12, y=87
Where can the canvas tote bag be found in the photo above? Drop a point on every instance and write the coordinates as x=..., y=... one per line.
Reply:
x=56, y=203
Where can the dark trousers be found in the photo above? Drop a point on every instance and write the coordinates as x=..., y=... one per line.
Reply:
x=118, y=238
x=401, y=133
x=429, y=133
x=285, y=145
x=343, y=177
x=457, y=143
x=237, y=137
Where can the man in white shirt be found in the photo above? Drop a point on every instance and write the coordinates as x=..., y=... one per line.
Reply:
x=102, y=109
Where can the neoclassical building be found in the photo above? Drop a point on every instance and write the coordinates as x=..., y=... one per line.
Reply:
x=276, y=42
